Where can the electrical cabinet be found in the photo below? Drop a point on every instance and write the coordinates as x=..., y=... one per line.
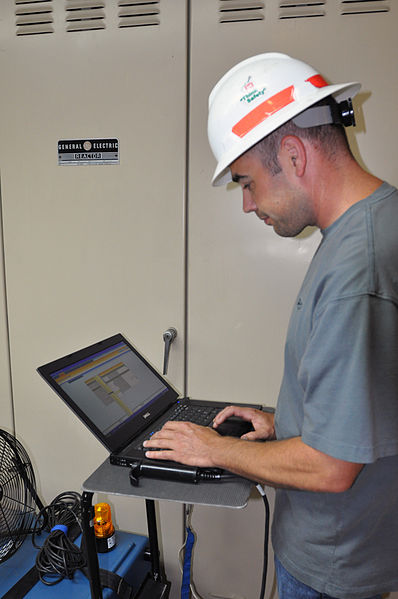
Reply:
x=91, y=249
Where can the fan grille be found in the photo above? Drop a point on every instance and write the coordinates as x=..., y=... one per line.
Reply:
x=17, y=495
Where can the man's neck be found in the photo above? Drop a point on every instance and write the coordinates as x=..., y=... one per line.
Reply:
x=338, y=188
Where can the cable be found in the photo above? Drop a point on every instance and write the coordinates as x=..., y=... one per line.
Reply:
x=59, y=557
x=64, y=509
x=182, y=473
x=188, y=538
x=210, y=474
x=260, y=489
x=188, y=514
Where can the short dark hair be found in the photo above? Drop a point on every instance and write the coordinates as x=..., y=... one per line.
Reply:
x=330, y=138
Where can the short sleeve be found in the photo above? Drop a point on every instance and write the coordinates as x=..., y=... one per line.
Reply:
x=349, y=374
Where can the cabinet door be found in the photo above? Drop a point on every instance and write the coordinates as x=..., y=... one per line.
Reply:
x=243, y=278
x=90, y=250
x=6, y=406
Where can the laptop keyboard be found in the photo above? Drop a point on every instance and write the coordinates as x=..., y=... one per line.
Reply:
x=202, y=415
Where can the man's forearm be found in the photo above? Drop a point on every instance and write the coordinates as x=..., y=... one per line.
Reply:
x=289, y=463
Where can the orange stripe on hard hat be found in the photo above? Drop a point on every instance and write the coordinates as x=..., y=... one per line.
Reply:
x=270, y=106
x=263, y=111
x=317, y=81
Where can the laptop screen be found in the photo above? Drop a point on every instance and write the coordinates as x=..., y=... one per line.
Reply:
x=111, y=387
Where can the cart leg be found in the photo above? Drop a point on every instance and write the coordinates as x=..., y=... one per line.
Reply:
x=91, y=549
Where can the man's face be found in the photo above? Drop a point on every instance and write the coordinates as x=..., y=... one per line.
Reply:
x=277, y=200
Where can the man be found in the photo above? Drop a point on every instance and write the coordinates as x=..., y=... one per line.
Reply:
x=277, y=128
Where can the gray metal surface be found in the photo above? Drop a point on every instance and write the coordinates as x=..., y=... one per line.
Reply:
x=115, y=480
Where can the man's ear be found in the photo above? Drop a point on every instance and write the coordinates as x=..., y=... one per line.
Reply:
x=292, y=155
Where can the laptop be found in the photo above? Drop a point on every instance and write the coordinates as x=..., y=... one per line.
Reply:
x=123, y=400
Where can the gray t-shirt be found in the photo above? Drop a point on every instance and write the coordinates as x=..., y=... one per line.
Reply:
x=340, y=394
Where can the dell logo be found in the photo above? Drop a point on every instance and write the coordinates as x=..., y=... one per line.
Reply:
x=146, y=415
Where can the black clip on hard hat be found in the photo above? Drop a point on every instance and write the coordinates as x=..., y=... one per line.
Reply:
x=347, y=117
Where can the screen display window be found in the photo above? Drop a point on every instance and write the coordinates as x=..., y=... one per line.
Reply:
x=110, y=387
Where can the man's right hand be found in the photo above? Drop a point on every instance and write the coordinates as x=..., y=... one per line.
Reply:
x=262, y=422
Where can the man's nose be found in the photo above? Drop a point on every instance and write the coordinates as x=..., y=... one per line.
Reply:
x=248, y=203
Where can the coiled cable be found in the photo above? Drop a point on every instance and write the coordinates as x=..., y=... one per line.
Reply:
x=59, y=557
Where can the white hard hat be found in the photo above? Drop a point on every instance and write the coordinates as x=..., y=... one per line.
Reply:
x=257, y=96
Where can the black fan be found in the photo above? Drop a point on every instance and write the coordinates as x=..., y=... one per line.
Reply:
x=18, y=497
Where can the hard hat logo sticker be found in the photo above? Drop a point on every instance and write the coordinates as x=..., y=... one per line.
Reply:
x=256, y=93
x=250, y=93
x=248, y=85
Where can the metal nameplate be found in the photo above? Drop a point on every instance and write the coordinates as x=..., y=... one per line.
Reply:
x=88, y=151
